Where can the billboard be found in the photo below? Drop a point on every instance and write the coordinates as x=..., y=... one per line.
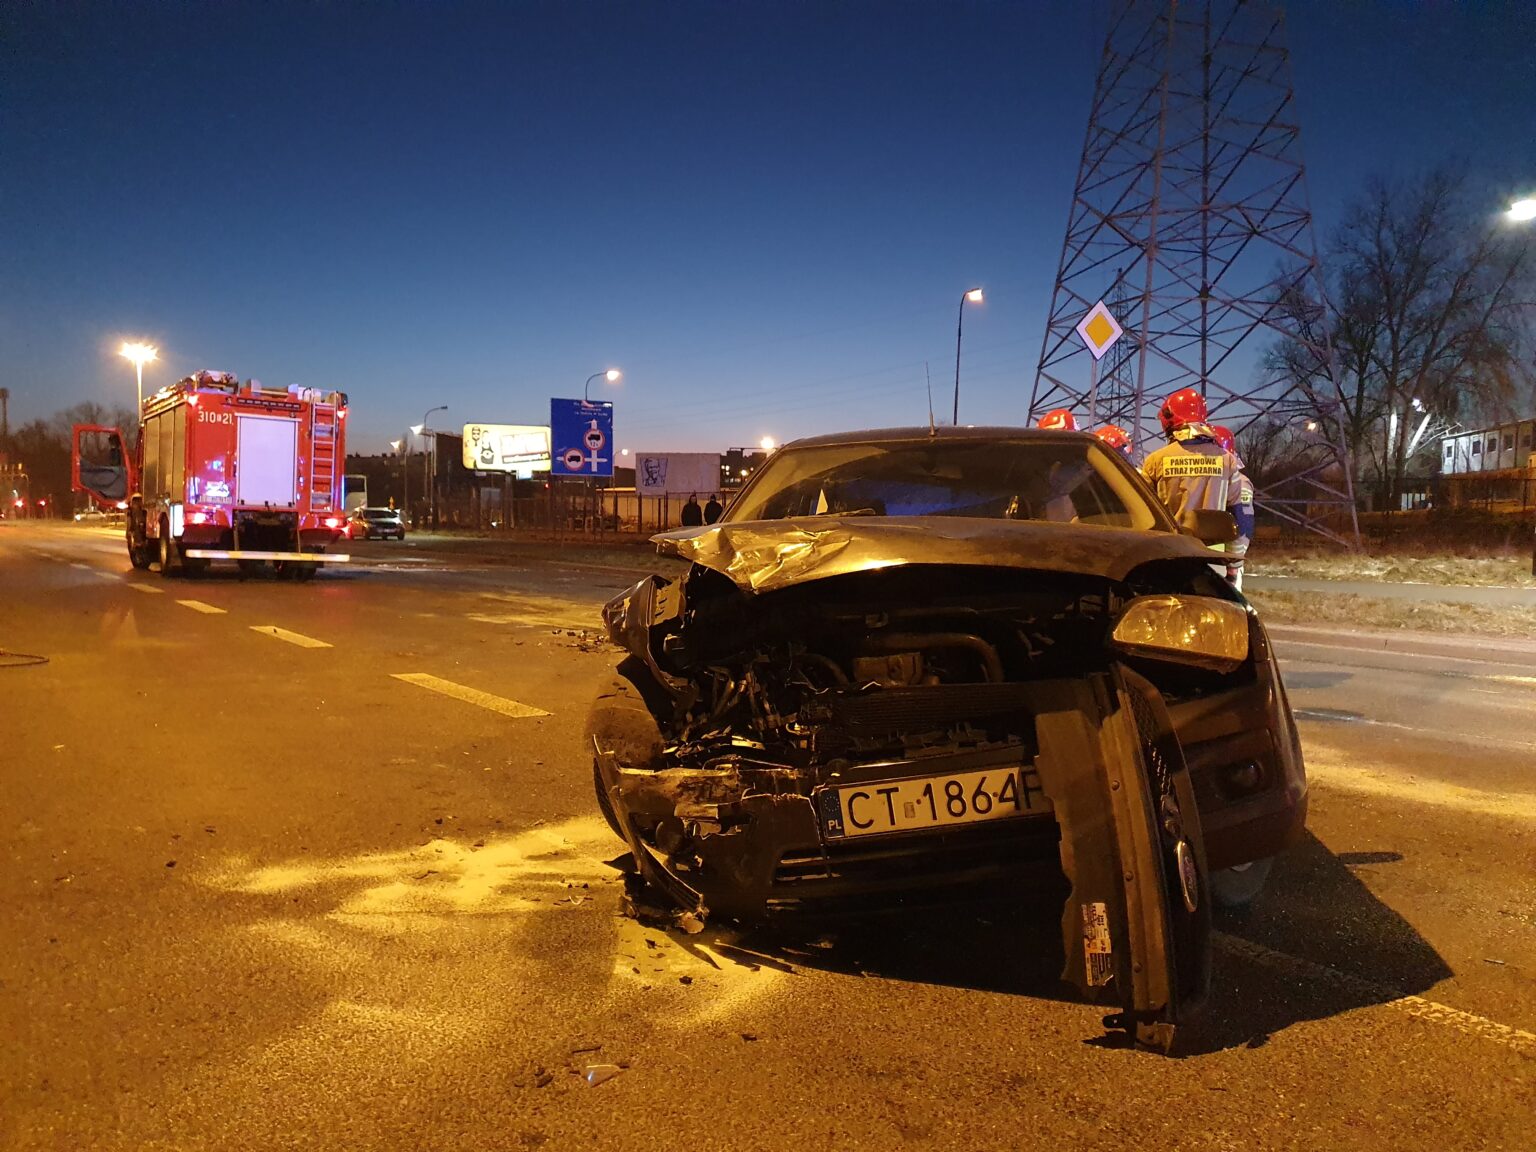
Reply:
x=581, y=435
x=677, y=473
x=506, y=447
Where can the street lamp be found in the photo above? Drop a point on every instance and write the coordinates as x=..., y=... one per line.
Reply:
x=140, y=354
x=611, y=375
x=428, y=462
x=1522, y=210
x=974, y=296
x=767, y=444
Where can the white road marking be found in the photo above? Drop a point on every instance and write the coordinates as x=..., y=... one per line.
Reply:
x=291, y=637
x=199, y=606
x=1381, y=996
x=470, y=695
x=150, y=588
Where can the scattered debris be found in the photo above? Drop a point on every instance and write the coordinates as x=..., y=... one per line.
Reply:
x=170, y=863
x=1491, y=960
x=542, y=1079
x=424, y=875
x=749, y=1037
x=596, y=1074
x=685, y=980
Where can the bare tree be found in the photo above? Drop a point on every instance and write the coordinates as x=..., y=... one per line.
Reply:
x=1426, y=305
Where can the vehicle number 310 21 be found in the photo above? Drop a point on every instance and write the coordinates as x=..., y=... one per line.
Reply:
x=206, y=417
x=926, y=802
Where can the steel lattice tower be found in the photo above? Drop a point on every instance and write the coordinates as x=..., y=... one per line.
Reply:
x=1190, y=219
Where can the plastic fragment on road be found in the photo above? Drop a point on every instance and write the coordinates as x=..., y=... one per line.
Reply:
x=596, y=1074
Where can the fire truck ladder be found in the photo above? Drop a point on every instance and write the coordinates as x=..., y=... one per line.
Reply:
x=322, y=461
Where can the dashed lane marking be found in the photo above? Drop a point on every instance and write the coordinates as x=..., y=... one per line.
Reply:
x=470, y=695
x=150, y=588
x=199, y=606
x=1379, y=994
x=290, y=637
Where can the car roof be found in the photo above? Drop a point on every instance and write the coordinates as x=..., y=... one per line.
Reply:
x=940, y=432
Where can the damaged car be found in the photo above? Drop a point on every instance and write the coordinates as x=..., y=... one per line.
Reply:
x=918, y=665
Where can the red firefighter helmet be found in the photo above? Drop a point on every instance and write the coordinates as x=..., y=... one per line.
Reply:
x=1117, y=438
x=1186, y=406
x=1224, y=437
x=1059, y=420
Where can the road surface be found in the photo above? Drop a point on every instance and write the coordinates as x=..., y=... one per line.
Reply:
x=318, y=866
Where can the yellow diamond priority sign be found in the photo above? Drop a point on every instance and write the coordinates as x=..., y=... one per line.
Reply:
x=1099, y=330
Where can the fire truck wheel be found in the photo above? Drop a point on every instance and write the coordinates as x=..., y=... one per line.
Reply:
x=195, y=567
x=305, y=571
x=167, y=549
x=138, y=552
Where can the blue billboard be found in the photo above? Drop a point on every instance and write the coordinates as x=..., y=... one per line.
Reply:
x=580, y=438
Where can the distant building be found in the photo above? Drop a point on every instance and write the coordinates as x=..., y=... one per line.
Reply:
x=737, y=466
x=1501, y=448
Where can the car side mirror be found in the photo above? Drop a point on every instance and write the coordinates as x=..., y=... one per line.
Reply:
x=1210, y=525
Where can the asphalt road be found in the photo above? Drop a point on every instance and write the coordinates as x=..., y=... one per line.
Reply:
x=318, y=866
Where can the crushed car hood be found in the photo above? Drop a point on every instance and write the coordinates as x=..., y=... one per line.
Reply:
x=765, y=555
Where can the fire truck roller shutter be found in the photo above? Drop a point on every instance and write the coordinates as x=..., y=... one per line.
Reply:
x=267, y=461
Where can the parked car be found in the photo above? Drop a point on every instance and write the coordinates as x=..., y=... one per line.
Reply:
x=91, y=515
x=366, y=523
x=917, y=664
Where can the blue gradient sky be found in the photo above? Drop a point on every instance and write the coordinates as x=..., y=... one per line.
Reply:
x=764, y=213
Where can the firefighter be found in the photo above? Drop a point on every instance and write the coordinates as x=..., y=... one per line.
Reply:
x=1192, y=471
x=1058, y=420
x=1117, y=438
x=1240, y=504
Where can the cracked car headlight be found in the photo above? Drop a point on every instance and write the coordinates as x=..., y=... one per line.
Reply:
x=1188, y=629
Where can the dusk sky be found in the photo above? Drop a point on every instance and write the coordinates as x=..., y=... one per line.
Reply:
x=764, y=213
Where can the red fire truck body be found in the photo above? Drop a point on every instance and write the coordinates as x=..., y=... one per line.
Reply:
x=228, y=471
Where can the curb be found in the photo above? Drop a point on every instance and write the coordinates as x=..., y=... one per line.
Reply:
x=1478, y=649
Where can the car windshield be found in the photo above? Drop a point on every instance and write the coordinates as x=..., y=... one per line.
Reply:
x=1062, y=481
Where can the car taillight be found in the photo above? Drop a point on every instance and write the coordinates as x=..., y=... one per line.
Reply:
x=332, y=522
x=198, y=518
x=122, y=505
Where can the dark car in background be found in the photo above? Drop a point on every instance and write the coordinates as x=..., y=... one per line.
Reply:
x=915, y=664
x=381, y=523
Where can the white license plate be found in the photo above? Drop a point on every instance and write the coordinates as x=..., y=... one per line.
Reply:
x=936, y=801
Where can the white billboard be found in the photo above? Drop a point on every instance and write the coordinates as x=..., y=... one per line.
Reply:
x=506, y=447
x=677, y=473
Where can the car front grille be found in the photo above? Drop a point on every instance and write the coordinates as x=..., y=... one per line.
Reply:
x=933, y=706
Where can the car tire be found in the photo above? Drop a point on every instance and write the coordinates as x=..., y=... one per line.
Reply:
x=621, y=720
x=1236, y=888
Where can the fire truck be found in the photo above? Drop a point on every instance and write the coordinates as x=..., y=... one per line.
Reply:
x=225, y=471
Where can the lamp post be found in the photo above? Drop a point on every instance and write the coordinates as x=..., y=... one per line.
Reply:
x=611, y=375
x=394, y=446
x=428, y=450
x=140, y=354
x=974, y=296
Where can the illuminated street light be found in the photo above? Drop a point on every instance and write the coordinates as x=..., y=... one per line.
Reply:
x=394, y=446
x=140, y=354
x=612, y=375
x=974, y=296
x=1522, y=210
x=429, y=463
x=767, y=444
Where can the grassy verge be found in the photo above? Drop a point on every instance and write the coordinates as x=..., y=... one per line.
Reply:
x=1506, y=571
x=1313, y=609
